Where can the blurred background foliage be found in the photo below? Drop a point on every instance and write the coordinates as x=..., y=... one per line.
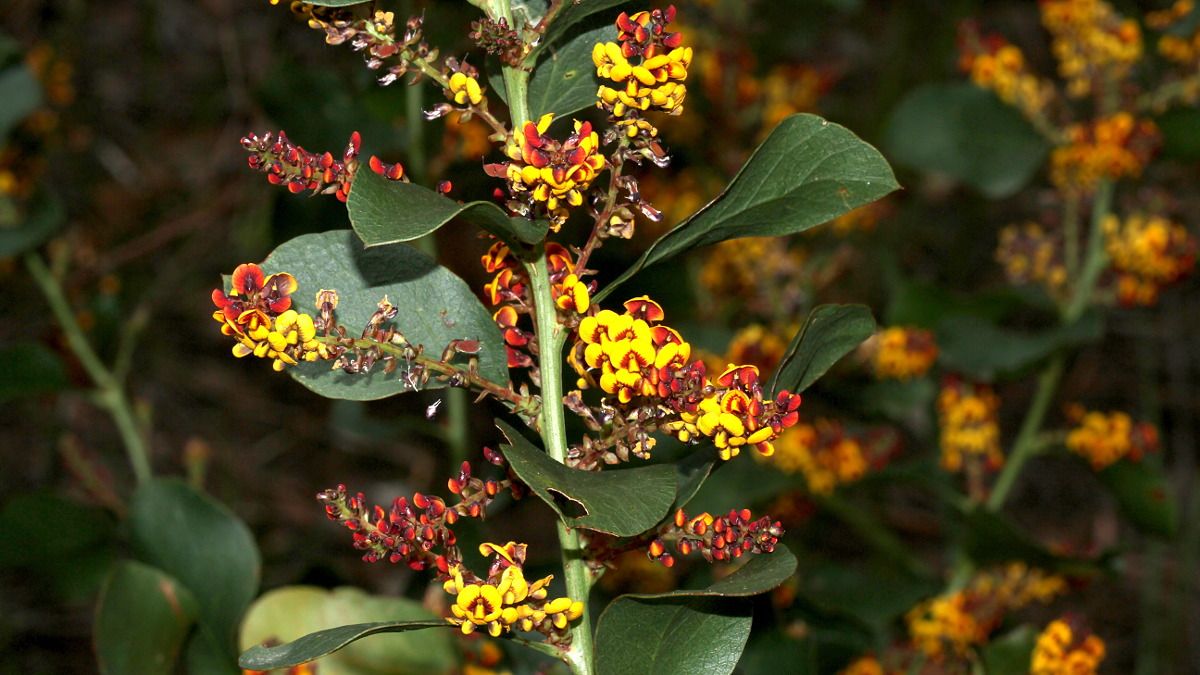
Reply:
x=122, y=160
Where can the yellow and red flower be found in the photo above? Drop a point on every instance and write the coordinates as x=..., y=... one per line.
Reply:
x=1062, y=650
x=970, y=430
x=643, y=71
x=1106, y=438
x=550, y=174
x=1148, y=253
x=902, y=353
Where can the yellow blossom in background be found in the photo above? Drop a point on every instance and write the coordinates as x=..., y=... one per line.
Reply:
x=757, y=345
x=867, y=665
x=823, y=452
x=1106, y=438
x=1148, y=253
x=1000, y=67
x=763, y=273
x=1061, y=651
x=787, y=90
x=1109, y=148
x=465, y=140
x=967, y=420
x=861, y=219
x=903, y=353
x=1031, y=254
x=1090, y=41
x=945, y=625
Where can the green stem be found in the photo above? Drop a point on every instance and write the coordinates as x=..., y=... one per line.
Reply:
x=109, y=393
x=551, y=336
x=1026, y=443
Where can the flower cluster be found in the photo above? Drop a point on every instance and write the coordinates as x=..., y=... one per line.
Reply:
x=994, y=63
x=643, y=71
x=719, y=538
x=1030, y=253
x=631, y=355
x=1148, y=253
x=969, y=429
x=903, y=352
x=736, y=414
x=286, y=163
x=257, y=313
x=764, y=272
x=1106, y=438
x=1090, y=41
x=756, y=345
x=1062, y=651
x=824, y=452
x=1108, y=148
x=1182, y=48
x=547, y=175
x=505, y=599
x=953, y=624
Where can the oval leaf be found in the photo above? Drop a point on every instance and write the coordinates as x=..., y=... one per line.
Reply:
x=829, y=333
x=1142, y=490
x=565, y=81
x=388, y=212
x=808, y=172
x=22, y=95
x=967, y=133
x=203, y=545
x=142, y=619
x=435, y=307
x=315, y=645
x=702, y=631
x=978, y=347
x=623, y=503
x=1011, y=653
x=29, y=369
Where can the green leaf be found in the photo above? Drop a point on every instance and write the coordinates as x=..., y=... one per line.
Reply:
x=925, y=305
x=323, y=642
x=690, y=474
x=808, y=172
x=21, y=94
x=1011, y=653
x=1180, y=129
x=1142, y=491
x=990, y=537
x=335, y=3
x=28, y=369
x=435, y=307
x=829, y=333
x=292, y=612
x=142, y=620
x=203, y=545
x=45, y=217
x=202, y=655
x=37, y=527
x=700, y=631
x=565, y=81
x=967, y=133
x=623, y=502
x=983, y=350
x=388, y=212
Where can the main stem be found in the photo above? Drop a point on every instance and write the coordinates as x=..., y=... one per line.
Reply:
x=1026, y=445
x=110, y=393
x=550, y=338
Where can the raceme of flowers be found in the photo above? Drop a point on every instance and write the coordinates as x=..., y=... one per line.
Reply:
x=1090, y=41
x=951, y=625
x=1061, y=650
x=824, y=453
x=1106, y=438
x=505, y=600
x=1148, y=253
x=643, y=71
x=1113, y=147
x=902, y=353
x=994, y=63
x=720, y=538
x=969, y=429
x=257, y=313
x=1031, y=254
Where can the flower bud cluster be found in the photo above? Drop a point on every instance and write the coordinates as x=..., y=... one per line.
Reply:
x=1030, y=254
x=505, y=600
x=1065, y=650
x=969, y=426
x=257, y=313
x=288, y=164
x=1091, y=42
x=643, y=71
x=1108, y=148
x=546, y=176
x=719, y=538
x=496, y=38
x=951, y=625
x=1148, y=253
x=903, y=352
x=996, y=64
x=1106, y=438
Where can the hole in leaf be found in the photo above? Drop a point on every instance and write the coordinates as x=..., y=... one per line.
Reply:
x=571, y=508
x=569, y=75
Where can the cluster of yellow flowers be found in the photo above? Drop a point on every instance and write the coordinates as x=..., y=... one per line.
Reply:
x=823, y=452
x=1110, y=147
x=757, y=345
x=955, y=623
x=464, y=89
x=1181, y=49
x=257, y=313
x=861, y=219
x=1031, y=254
x=633, y=352
x=903, y=352
x=1148, y=253
x=1106, y=438
x=506, y=599
x=866, y=665
x=735, y=415
x=549, y=173
x=789, y=89
x=643, y=71
x=1001, y=67
x=967, y=419
x=1059, y=651
x=1090, y=41
x=763, y=272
